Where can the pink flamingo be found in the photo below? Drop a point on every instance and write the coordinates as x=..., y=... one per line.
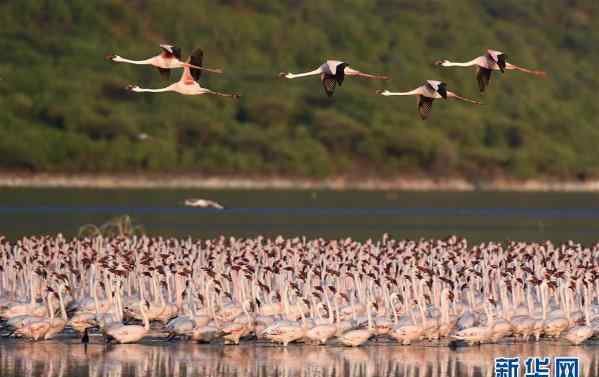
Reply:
x=492, y=60
x=187, y=85
x=169, y=58
x=427, y=93
x=332, y=72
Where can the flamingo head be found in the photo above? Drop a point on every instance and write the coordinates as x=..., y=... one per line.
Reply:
x=442, y=63
x=132, y=88
x=284, y=75
x=383, y=92
x=111, y=57
x=236, y=96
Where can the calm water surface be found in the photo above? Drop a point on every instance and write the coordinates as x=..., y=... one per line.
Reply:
x=478, y=215
x=57, y=359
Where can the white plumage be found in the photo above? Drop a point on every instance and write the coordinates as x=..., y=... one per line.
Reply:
x=203, y=203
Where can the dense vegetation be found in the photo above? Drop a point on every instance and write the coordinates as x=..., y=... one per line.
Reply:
x=64, y=109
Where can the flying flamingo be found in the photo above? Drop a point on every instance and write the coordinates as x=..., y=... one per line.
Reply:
x=426, y=95
x=492, y=60
x=169, y=58
x=203, y=203
x=332, y=72
x=187, y=85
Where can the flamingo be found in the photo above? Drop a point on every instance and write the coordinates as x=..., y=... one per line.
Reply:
x=583, y=330
x=33, y=327
x=46, y=328
x=322, y=331
x=332, y=72
x=477, y=334
x=491, y=61
x=130, y=333
x=168, y=59
x=355, y=338
x=407, y=330
x=240, y=327
x=206, y=332
x=286, y=331
x=56, y=325
x=203, y=203
x=579, y=333
x=188, y=85
x=427, y=93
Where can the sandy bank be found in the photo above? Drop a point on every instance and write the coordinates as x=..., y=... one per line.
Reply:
x=334, y=183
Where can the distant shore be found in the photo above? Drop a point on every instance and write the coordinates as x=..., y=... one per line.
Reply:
x=140, y=181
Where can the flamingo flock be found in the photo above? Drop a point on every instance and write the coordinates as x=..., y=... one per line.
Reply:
x=289, y=290
x=331, y=73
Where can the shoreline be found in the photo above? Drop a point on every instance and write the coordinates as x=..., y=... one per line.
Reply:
x=190, y=181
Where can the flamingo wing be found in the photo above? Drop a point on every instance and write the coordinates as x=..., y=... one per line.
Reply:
x=196, y=59
x=170, y=51
x=328, y=83
x=424, y=106
x=177, y=52
x=483, y=76
x=340, y=72
x=501, y=62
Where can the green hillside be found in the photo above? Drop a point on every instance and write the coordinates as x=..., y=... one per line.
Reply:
x=63, y=107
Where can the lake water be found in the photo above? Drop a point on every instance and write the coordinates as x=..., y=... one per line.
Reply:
x=477, y=215
x=59, y=359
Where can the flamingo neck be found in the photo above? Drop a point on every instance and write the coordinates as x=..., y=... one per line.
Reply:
x=95, y=297
x=299, y=75
x=50, y=307
x=141, y=289
x=192, y=308
x=304, y=322
x=247, y=313
x=458, y=64
x=331, y=316
x=490, y=317
x=587, y=307
x=167, y=89
x=544, y=302
x=410, y=93
x=212, y=309
x=145, y=317
x=120, y=59
x=32, y=288
x=63, y=311
x=118, y=306
x=178, y=292
x=393, y=309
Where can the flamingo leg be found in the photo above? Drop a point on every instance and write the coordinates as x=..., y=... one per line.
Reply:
x=525, y=70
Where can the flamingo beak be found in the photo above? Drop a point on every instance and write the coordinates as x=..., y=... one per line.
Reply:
x=282, y=75
x=110, y=57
